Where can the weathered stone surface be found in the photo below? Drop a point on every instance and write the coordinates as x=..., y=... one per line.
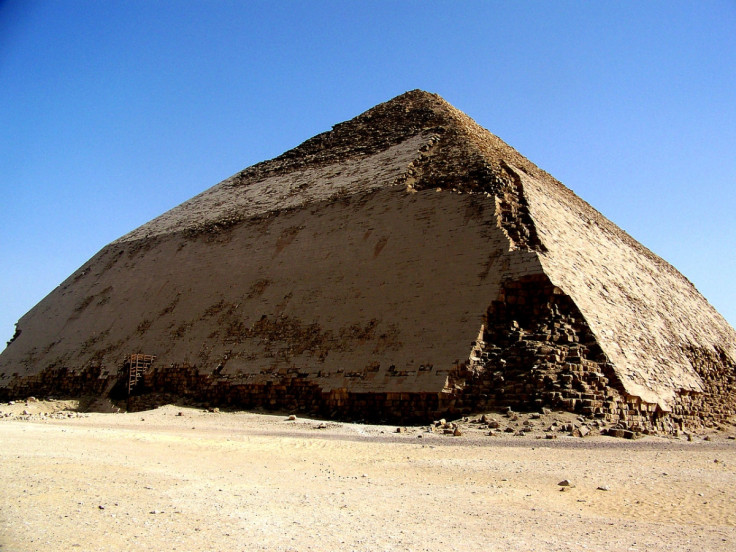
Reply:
x=403, y=266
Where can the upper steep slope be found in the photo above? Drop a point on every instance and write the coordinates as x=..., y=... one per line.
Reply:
x=434, y=144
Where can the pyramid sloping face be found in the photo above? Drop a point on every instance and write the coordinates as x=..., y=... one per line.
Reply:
x=407, y=261
x=645, y=315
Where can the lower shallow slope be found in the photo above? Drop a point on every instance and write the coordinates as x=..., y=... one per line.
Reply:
x=379, y=294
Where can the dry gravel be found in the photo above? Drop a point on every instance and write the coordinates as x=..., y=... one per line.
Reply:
x=187, y=479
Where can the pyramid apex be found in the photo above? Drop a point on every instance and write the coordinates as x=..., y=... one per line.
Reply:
x=417, y=94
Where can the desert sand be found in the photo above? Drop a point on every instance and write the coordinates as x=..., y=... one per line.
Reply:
x=188, y=479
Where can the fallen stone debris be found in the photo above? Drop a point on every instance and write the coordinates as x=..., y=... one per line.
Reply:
x=546, y=424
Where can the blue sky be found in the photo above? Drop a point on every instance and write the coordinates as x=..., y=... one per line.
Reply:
x=112, y=112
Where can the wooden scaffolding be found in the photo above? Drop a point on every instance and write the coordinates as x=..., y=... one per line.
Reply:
x=137, y=364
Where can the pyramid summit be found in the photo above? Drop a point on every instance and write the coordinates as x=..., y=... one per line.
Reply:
x=417, y=116
x=403, y=266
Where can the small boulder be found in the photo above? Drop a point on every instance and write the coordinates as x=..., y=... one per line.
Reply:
x=581, y=431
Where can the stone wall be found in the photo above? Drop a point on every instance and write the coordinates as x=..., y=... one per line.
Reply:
x=294, y=393
x=65, y=382
x=534, y=352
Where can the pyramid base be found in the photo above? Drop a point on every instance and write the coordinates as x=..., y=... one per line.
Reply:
x=470, y=393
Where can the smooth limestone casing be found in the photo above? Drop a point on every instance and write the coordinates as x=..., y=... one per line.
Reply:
x=640, y=309
x=386, y=288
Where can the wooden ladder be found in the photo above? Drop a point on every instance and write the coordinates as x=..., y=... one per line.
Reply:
x=137, y=366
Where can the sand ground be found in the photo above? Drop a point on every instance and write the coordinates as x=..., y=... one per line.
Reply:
x=187, y=479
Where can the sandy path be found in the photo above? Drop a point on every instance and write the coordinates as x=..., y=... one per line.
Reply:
x=235, y=481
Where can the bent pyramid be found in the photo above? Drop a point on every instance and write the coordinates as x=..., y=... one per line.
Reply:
x=405, y=265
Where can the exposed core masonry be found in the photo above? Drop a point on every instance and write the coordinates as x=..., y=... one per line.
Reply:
x=404, y=266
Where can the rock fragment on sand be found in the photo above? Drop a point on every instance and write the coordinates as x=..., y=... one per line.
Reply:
x=581, y=431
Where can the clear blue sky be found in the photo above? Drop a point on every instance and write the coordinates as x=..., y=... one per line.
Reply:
x=112, y=112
